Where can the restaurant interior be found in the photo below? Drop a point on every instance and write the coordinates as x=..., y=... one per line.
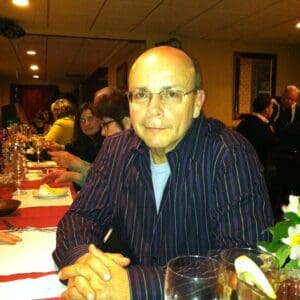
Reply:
x=51, y=49
x=84, y=45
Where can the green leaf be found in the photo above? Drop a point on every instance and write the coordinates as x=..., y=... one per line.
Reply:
x=292, y=264
x=283, y=253
x=271, y=246
x=280, y=230
x=292, y=216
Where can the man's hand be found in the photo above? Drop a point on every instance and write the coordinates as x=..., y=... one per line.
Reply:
x=9, y=238
x=97, y=275
x=64, y=159
x=60, y=176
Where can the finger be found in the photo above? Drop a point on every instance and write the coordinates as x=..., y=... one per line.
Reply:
x=71, y=294
x=117, y=258
x=9, y=238
x=77, y=269
x=102, y=265
x=83, y=287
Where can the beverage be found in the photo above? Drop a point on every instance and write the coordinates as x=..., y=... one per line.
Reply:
x=227, y=278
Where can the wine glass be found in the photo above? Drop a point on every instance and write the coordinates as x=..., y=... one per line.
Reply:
x=38, y=144
x=191, y=278
x=230, y=287
x=19, y=171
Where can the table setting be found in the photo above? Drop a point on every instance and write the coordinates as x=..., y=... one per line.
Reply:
x=30, y=210
x=271, y=270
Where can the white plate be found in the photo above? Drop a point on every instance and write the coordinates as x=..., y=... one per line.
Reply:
x=37, y=195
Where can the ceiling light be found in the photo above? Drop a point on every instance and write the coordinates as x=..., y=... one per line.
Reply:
x=35, y=76
x=34, y=67
x=20, y=2
x=298, y=25
x=31, y=52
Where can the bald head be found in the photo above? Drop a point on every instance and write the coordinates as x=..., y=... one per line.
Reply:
x=289, y=96
x=171, y=59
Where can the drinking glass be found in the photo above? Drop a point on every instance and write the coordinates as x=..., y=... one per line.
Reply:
x=191, y=278
x=19, y=171
x=285, y=282
x=38, y=144
x=227, y=278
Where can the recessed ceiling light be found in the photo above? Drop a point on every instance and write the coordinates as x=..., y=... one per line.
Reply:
x=34, y=67
x=20, y=2
x=35, y=76
x=31, y=52
x=298, y=25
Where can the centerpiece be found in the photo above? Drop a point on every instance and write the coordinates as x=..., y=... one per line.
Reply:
x=285, y=245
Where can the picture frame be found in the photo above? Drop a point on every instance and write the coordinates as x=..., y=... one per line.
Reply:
x=254, y=75
x=122, y=81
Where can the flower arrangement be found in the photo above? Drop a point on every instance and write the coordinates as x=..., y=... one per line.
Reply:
x=285, y=244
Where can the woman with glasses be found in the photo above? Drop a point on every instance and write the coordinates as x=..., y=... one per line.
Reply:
x=87, y=138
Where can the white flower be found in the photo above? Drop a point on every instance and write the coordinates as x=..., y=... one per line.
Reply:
x=294, y=205
x=294, y=241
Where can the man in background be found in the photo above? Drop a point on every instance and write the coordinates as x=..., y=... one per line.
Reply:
x=13, y=113
x=286, y=109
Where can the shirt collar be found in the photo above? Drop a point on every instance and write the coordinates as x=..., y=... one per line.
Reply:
x=263, y=118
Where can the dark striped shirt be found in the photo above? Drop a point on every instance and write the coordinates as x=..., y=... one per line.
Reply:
x=215, y=198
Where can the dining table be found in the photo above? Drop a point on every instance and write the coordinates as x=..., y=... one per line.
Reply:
x=27, y=270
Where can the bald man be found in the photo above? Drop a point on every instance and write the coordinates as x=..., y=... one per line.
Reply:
x=286, y=109
x=176, y=184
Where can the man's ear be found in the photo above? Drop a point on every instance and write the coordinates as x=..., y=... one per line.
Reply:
x=126, y=122
x=199, y=100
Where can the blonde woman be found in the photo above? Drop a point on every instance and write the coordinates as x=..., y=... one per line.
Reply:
x=62, y=129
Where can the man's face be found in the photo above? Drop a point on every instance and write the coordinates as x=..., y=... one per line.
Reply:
x=289, y=98
x=162, y=125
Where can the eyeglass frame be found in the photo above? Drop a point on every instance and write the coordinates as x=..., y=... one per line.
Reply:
x=130, y=98
x=103, y=125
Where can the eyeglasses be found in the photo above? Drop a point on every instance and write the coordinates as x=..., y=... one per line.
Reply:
x=88, y=119
x=104, y=124
x=167, y=96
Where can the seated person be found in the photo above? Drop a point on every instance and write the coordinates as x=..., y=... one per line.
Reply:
x=62, y=129
x=113, y=112
x=12, y=113
x=256, y=128
x=9, y=238
x=87, y=138
x=177, y=184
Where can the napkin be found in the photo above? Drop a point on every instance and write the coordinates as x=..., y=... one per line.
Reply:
x=29, y=200
x=42, y=164
x=44, y=287
x=32, y=254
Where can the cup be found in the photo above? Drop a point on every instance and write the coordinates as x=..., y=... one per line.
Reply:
x=230, y=287
x=191, y=278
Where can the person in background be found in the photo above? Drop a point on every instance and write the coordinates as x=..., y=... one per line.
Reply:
x=113, y=112
x=13, y=113
x=286, y=109
x=257, y=129
x=8, y=238
x=87, y=138
x=41, y=122
x=61, y=131
x=176, y=184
